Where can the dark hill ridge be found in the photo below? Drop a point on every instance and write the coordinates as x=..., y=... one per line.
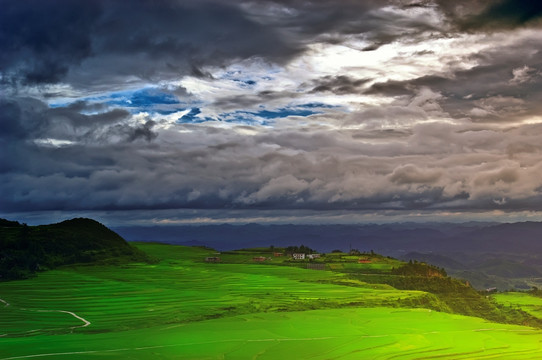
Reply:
x=82, y=234
x=435, y=259
x=27, y=249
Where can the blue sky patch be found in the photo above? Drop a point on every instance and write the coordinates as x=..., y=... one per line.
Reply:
x=245, y=83
x=146, y=99
x=192, y=117
x=150, y=97
x=318, y=105
x=284, y=112
x=265, y=117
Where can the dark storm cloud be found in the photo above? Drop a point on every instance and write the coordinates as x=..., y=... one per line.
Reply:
x=340, y=84
x=492, y=14
x=143, y=131
x=10, y=127
x=107, y=42
x=314, y=17
x=252, y=99
x=41, y=40
x=20, y=118
x=376, y=22
x=442, y=140
x=88, y=42
x=283, y=169
x=54, y=156
x=25, y=120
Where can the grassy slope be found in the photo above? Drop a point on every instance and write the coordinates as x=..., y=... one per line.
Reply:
x=370, y=333
x=183, y=308
x=179, y=289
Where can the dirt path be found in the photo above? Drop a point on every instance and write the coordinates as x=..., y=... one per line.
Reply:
x=85, y=321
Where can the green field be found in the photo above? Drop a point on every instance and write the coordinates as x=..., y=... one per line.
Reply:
x=526, y=302
x=185, y=308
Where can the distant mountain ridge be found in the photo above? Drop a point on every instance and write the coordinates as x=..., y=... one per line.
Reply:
x=393, y=239
x=27, y=249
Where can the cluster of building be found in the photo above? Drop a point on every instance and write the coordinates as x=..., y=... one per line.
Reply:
x=295, y=256
x=303, y=256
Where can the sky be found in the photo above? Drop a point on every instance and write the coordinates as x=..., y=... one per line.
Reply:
x=202, y=111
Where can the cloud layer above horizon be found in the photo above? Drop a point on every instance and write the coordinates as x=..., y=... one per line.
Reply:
x=287, y=104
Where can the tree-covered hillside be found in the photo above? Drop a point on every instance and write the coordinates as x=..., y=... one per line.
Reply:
x=27, y=249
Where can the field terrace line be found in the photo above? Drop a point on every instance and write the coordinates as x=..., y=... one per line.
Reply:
x=244, y=341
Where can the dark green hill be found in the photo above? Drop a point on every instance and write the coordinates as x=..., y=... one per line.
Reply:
x=435, y=259
x=508, y=269
x=27, y=249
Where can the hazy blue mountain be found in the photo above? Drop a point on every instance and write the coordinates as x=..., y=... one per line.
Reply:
x=394, y=239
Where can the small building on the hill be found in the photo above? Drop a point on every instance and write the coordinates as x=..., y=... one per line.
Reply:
x=212, y=259
x=277, y=254
x=313, y=256
x=364, y=261
x=259, y=258
x=298, y=256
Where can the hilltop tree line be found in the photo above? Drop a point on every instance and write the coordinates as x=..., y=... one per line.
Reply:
x=415, y=268
x=450, y=295
x=24, y=249
x=299, y=249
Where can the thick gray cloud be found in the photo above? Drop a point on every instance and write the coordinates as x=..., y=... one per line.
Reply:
x=492, y=14
x=327, y=21
x=253, y=111
x=91, y=42
x=40, y=40
x=433, y=166
x=340, y=84
x=102, y=43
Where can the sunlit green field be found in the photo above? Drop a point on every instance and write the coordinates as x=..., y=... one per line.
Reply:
x=527, y=303
x=370, y=333
x=184, y=308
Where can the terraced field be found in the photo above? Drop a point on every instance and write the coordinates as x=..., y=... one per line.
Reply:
x=524, y=301
x=184, y=308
